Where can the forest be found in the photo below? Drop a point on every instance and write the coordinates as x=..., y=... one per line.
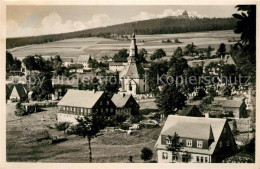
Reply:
x=146, y=27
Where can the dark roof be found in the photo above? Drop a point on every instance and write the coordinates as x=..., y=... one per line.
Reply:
x=232, y=103
x=120, y=100
x=80, y=98
x=21, y=90
x=186, y=110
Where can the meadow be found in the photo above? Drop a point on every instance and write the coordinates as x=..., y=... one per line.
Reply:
x=98, y=47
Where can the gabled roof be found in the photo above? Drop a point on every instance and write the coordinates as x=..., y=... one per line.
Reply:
x=186, y=110
x=80, y=98
x=21, y=90
x=193, y=127
x=120, y=100
x=133, y=71
x=232, y=103
x=83, y=58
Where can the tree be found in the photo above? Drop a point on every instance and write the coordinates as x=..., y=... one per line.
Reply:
x=222, y=49
x=201, y=93
x=30, y=63
x=9, y=61
x=89, y=127
x=93, y=63
x=175, y=145
x=157, y=69
x=190, y=49
x=146, y=154
x=170, y=99
x=208, y=52
x=42, y=86
x=121, y=54
x=157, y=54
x=63, y=126
x=178, y=52
x=212, y=92
x=142, y=55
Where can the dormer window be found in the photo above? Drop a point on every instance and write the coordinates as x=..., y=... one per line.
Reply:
x=168, y=141
x=189, y=143
x=199, y=144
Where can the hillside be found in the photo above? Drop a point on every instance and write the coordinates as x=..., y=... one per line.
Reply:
x=146, y=27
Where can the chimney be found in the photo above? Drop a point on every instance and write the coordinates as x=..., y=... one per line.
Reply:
x=94, y=91
x=123, y=94
x=207, y=115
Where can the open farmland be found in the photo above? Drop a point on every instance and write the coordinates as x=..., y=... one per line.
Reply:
x=98, y=47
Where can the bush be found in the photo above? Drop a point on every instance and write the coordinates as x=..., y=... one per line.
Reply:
x=148, y=126
x=207, y=100
x=43, y=135
x=124, y=126
x=136, y=119
x=146, y=154
x=63, y=126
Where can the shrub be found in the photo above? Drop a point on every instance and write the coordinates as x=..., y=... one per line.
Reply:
x=207, y=100
x=42, y=135
x=20, y=112
x=63, y=126
x=146, y=154
x=124, y=126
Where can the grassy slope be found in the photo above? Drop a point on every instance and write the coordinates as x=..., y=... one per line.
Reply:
x=110, y=147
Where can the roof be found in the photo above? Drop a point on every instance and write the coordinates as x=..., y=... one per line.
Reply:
x=186, y=110
x=232, y=103
x=80, y=98
x=193, y=127
x=116, y=64
x=20, y=88
x=229, y=60
x=120, y=59
x=120, y=100
x=83, y=58
x=133, y=71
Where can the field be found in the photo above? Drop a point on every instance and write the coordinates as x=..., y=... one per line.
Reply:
x=111, y=147
x=98, y=47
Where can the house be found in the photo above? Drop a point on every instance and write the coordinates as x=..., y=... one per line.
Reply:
x=132, y=77
x=83, y=103
x=204, y=140
x=18, y=92
x=117, y=64
x=190, y=110
x=61, y=85
x=76, y=67
x=125, y=104
x=83, y=59
x=235, y=107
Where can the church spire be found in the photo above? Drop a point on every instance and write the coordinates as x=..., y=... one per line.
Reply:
x=133, y=48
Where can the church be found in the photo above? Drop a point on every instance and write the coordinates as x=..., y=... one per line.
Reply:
x=133, y=77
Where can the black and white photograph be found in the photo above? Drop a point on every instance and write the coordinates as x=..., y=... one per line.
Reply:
x=129, y=83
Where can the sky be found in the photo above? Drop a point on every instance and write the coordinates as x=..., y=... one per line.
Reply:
x=33, y=20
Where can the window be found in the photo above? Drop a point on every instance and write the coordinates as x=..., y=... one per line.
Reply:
x=112, y=110
x=228, y=143
x=168, y=141
x=189, y=143
x=100, y=103
x=101, y=110
x=106, y=110
x=206, y=159
x=164, y=155
x=184, y=158
x=199, y=144
x=201, y=159
x=107, y=102
x=175, y=157
x=220, y=144
x=81, y=110
x=198, y=158
x=74, y=109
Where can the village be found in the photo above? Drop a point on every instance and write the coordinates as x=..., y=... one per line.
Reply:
x=129, y=107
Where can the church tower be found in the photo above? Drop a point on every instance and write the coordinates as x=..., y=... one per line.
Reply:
x=132, y=76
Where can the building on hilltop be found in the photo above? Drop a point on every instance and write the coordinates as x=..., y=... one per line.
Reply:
x=207, y=140
x=78, y=103
x=132, y=77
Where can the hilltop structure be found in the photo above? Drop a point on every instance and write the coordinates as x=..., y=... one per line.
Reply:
x=132, y=77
